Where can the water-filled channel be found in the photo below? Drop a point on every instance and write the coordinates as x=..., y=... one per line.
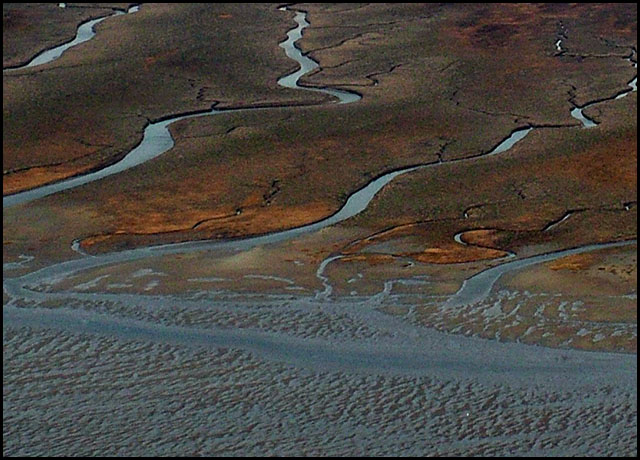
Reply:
x=84, y=33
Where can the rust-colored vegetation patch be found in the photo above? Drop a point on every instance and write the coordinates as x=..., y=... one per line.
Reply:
x=574, y=262
x=454, y=255
x=371, y=259
x=488, y=238
x=608, y=274
x=479, y=245
x=438, y=245
x=225, y=225
x=34, y=177
x=609, y=164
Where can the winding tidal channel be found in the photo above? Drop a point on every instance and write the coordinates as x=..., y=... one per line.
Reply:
x=405, y=350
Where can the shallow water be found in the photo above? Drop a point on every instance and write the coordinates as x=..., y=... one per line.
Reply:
x=478, y=287
x=576, y=113
x=409, y=351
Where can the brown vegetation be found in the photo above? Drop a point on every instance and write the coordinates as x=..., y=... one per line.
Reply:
x=440, y=82
x=94, y=101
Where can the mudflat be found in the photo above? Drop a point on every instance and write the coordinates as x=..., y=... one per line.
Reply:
x=187, y=269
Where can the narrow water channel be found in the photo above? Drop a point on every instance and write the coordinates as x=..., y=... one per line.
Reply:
x=84, y=33
x=478, y=287
x=578, y=111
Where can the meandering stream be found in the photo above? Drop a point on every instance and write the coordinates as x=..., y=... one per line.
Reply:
x=84, y=33
x=578, y=111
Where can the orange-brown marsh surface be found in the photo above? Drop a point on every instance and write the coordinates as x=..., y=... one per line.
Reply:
x=439, y=83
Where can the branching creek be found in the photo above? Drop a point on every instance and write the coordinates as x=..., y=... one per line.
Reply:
x=408, y=350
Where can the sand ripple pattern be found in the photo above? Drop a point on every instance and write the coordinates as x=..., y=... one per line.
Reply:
x=137, y=398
